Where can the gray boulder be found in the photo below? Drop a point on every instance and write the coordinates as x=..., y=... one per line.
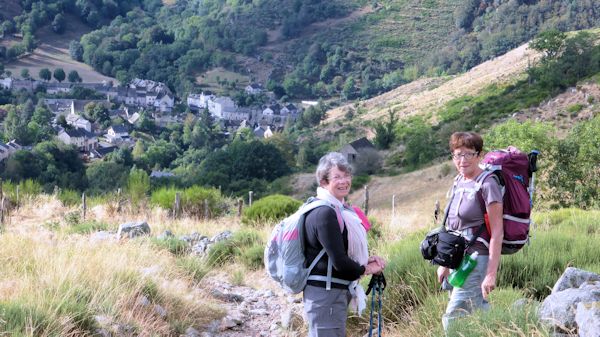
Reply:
x=573, y=278
x=133, y=229
x=587, y=318
x=558, y=310
x=226, y=235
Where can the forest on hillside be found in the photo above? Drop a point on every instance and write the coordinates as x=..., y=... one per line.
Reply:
x=395, y=43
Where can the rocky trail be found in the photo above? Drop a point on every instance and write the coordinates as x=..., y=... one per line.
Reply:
x=252, y=312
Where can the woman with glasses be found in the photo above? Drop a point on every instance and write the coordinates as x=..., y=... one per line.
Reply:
x=467, y=215
x=326, y=299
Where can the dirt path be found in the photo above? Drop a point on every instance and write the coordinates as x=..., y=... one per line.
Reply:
x=260, y=310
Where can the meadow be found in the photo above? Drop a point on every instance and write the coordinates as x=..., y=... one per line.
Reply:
x=57, y=280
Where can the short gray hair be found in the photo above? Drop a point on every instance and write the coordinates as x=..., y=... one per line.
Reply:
x=329, y=161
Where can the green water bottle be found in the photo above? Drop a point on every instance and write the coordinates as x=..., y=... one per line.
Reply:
x=457, y=277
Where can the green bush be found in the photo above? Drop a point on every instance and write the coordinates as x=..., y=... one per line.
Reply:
x=222, y=252
x=27, y=188
x=86, y=227
x=72, y=218
x=69, y=197
x=236, y=248
x=16, y=319
x=192, y=200
x=359, y=181
x=253, y=257
x=172, y=244
x=193, y=266
x=270, y=209
x=575, y=108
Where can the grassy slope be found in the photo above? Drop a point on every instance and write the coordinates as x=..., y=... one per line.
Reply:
x=427, y=96
x=53, y=52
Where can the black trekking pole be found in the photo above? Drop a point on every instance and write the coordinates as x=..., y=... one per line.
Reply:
x=377, y=284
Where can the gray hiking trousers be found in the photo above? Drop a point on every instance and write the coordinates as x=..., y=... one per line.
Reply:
x=326, y=311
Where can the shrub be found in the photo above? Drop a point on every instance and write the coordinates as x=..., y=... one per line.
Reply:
x=27, y=188
x=252, y=257
x=575, y=108
x=69, y=197
x=221, y=252
x=270, y=209
x=16, y=319
x=72, y=218
x=174, y=245
x=235, y=248
x=359, y=181
x=86, y=227
x=192, y=200
x=193, y=266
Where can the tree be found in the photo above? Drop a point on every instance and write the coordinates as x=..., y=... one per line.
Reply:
x=385, y=133
x=138, y=186
x=96, y=112
x=76, y=50
x=29, y=42
x=58, y=24
x=45, y=74
x=549, y=42
x=25, y=73
x=73, y=76
x=97, y=172
x=59, y=74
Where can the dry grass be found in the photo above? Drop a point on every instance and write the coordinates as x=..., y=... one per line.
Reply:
x=53, y=52
x=416, y=194
x=48, y=270
x=429, y=95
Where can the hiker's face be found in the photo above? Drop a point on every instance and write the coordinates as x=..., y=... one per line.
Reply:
x=338, y=183
x=466, y=161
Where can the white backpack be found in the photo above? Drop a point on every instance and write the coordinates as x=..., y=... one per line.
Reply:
x=284, y=254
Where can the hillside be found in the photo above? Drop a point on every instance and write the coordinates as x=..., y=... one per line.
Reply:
x=428, y=95
x=53, y=52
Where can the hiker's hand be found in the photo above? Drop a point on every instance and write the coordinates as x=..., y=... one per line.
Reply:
x=379, y=260
x=442, y=273
x=489, y=284
x=373, y=268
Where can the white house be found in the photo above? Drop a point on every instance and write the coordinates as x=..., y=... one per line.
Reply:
x=78, y=122
x=289, y=109
x=199, y=101
x=57, y=88
x=117, y=134
x=82, y=139
x=6, y=83
x=164, y=102
x=254, y=89
x=4, y=152
x=218, y=106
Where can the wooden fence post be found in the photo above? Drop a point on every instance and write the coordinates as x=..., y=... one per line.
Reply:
x=206, y=211
x=118, y=200
x=240, y=205
x=393, y=206
x=177, y=206
x=83, y=205
x=1, y=206
x=436, y=212
x=250, y=198
x=366, y=204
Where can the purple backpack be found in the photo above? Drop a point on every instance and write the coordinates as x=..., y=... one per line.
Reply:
x=514, y=171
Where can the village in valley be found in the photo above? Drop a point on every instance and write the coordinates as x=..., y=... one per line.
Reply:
x=125, y=105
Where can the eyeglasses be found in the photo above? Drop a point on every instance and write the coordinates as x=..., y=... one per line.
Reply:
x=340, y=178
x=467, y=155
